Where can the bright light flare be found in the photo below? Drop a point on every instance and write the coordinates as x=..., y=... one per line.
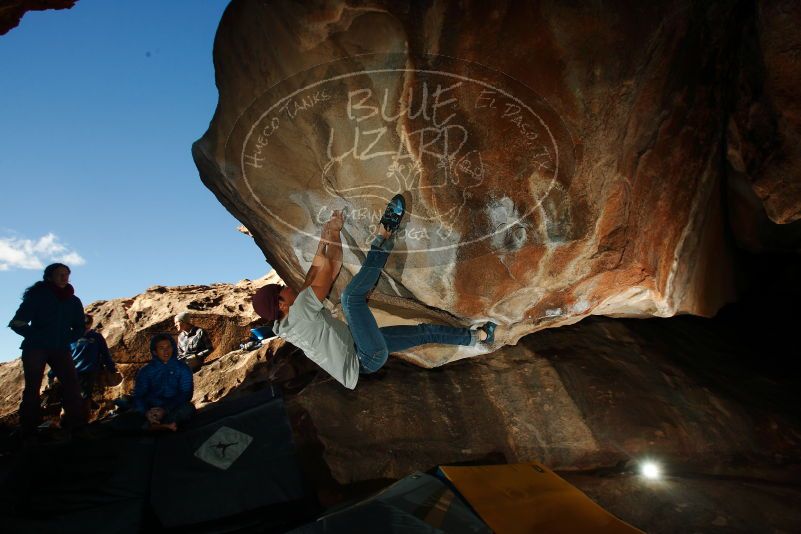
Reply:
x=650, y=470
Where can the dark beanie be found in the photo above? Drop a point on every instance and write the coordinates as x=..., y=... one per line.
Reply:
x=265, y=301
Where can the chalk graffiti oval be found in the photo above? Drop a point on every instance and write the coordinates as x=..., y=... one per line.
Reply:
x=474, y=151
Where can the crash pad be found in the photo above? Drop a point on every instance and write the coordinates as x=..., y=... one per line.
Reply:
x=525, y=498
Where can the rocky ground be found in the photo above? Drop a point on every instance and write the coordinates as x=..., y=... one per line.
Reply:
x=714, y=400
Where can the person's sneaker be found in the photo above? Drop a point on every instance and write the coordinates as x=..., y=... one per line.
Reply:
x=489, y=328
x=394, y=213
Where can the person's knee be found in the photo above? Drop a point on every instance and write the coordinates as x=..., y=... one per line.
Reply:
x=347, y=298
x=346, y=295
x=359, y=286
x=375, y=361
x=180, y=414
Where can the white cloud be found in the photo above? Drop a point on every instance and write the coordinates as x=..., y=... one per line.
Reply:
x=71, y=258
x=17, y=253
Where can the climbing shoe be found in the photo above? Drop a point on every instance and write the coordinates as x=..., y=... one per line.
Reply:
x=394, y=213
x=489, y=328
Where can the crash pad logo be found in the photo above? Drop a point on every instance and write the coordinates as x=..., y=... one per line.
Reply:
x=474, y=151
x=223, y=447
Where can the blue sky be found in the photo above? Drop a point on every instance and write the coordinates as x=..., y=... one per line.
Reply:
x=99, y=106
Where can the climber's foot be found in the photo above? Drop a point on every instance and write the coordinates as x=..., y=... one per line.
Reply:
x=393, y=214
x=488, y=329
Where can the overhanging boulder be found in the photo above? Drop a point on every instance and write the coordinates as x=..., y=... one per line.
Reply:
x=559, y=161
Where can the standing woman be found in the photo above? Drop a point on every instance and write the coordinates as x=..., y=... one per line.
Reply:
x=49, y=318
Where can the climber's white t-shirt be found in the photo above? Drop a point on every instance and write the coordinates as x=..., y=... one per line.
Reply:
x=325, y=340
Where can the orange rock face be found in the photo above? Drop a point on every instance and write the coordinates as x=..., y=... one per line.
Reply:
x=558, y=161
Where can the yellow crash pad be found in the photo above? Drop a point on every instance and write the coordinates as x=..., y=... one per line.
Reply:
x=530, y=498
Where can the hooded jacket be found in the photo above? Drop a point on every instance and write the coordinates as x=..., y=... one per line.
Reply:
x=166, y=385
x=46, y=321
x=90, y=353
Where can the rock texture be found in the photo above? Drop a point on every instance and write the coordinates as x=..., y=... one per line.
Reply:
x=590, y=400
x=12, y=11
x=581, y=397
x=560, y=161
x=12, y=381
x=764, y=131
x=709, y=399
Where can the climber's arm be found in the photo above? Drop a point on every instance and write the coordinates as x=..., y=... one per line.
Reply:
x=327, y=261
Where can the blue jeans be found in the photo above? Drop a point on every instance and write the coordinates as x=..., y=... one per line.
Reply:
x=374, y=344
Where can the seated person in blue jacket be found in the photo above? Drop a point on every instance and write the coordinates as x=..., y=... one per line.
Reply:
x=162, y=397
x=90, y=355
x=359, y=347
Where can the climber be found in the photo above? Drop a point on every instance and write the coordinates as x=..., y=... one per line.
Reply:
x=193, y=342
x=360, y=346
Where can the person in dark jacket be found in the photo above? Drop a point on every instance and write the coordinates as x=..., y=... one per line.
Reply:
x=90, y=355
x=49, y=319
x=193, y=343
x=162, y=397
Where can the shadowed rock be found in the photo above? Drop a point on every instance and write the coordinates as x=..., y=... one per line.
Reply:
x=712, y=399
x=12, y=11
